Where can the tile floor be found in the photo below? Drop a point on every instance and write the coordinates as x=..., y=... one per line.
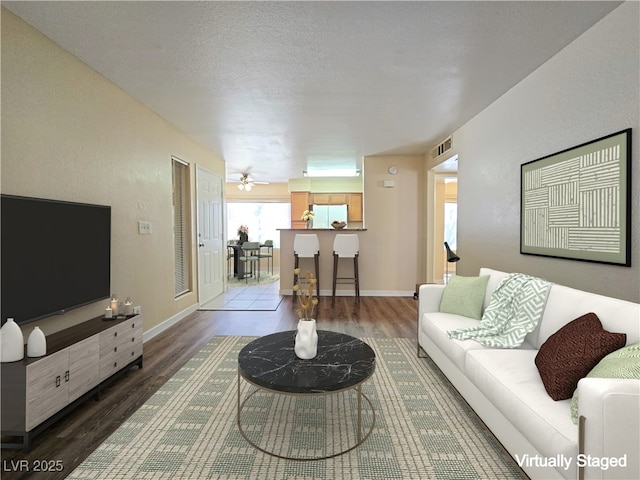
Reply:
x=252, y=297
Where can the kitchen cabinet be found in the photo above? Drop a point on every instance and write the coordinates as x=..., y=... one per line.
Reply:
x=299, y=203
x=355, y=207
x=329, y=198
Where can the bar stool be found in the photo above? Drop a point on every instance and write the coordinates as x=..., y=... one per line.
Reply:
x=346, y=246
x=307, y=246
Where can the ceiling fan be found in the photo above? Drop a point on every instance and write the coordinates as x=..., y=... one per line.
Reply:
x=247, y=183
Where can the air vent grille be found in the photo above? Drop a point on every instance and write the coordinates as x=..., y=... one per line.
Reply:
x=443, y=147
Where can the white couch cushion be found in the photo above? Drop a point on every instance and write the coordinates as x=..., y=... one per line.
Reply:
x=495, y=277
x=436, y=325
x=510, y=380
x=565, y=304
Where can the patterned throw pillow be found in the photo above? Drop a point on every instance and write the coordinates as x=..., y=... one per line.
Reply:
x=623, y=363
x=464, y=296
x=571, y=353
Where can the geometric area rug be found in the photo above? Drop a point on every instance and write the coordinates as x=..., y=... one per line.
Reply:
x=187, y=429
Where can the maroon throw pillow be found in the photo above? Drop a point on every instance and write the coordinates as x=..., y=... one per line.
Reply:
x=572, y=352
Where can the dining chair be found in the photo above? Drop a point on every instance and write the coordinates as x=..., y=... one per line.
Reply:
x=346, y=246
x=230, y=258
x=268, y=244
x=250, y=258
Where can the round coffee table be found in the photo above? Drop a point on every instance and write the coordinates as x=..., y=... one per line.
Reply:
x=343, y=363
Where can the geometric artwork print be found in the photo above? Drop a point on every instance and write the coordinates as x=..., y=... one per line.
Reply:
x=575, y=204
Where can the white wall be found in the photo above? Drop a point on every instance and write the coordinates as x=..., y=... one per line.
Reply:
x=588, y=90
x=70, y=134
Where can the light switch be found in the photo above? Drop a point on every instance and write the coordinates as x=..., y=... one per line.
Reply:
x=144, y=228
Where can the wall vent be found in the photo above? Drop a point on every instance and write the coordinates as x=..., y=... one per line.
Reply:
x=443, y=147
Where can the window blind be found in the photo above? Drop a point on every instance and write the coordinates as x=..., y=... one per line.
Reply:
x=182, y=252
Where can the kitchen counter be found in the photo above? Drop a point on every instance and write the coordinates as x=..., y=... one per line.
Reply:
x=326, y=236
x=311, y=230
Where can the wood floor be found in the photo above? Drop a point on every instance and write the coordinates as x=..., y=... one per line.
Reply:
x=73, y=438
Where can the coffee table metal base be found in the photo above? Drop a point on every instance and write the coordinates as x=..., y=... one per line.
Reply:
x=360, y=435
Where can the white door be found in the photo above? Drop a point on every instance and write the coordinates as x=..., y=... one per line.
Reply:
x=210, y=237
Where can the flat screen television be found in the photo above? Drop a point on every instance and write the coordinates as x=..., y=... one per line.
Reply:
x=56, y=256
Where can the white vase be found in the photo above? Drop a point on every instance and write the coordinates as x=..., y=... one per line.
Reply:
x=306, y=344
x=37, y=343
x=12, y=342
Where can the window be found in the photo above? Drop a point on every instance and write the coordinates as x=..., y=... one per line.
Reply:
x=263, y=220
x=182, y=252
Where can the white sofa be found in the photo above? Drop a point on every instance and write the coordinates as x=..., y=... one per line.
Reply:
x=504, y=388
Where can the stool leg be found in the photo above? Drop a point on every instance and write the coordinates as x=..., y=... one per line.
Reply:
x=357, y=276
x=316, y=258
x=295, y=277
x=335, y=278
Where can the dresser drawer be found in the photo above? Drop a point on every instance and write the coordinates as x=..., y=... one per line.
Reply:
x=119, y=346
x=117, y=334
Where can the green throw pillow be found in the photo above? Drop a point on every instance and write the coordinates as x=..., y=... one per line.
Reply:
x=623, y=363
x=464, y=296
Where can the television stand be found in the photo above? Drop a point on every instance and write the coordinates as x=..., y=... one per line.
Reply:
x=80, y=362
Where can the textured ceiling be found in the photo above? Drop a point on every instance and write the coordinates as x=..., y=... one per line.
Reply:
x=277, y=87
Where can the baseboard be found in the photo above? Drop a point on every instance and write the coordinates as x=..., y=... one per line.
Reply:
x=158, y=329
x=363, y=293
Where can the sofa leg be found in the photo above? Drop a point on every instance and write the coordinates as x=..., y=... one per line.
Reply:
x=581, y=425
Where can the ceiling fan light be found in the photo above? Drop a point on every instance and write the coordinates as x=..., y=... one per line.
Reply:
x=248, y=187
x=240, y=186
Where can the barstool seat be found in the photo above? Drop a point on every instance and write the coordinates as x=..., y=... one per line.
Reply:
x=307, y=246
x=346, y=246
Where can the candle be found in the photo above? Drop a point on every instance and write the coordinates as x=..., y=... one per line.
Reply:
x=108, y=313
x=114, y=305
x=128, y=307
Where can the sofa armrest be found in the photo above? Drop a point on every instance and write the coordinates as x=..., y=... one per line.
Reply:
x=609, y=428
x=429, y=298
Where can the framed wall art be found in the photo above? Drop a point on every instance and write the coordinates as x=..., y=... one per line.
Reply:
x=576, y=204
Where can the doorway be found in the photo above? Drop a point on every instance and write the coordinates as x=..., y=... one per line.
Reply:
x=447, y=231
x=442, y=210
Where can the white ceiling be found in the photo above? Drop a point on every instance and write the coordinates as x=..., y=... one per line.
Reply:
x=277, y=87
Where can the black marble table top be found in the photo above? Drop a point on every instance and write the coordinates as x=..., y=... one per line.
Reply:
x=342, y=362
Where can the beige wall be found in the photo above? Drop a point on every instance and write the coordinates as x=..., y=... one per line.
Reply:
x=588, y=90
x=326, y=185
x=273, y=192
x=393, y=219
x=70, y=134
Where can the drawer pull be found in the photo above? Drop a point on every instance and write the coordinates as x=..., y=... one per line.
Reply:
x=66, y=376
x=115, y=364
x=133, y=325
x=133, y=339
x=115, y=349
x=57, y=381
x=115, y=334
